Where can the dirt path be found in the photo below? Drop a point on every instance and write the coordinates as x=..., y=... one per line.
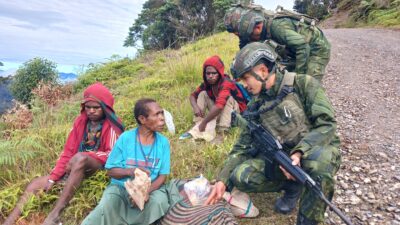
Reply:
x=364, y=86
x=363, y=83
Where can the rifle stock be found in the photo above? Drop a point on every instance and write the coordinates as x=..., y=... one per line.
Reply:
x=272, y=150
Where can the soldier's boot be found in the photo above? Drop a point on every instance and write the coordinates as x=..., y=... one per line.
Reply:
x=288, y=201
x=302, y=220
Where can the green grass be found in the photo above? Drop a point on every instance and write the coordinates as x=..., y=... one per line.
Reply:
x=168, y=76
x=372, y=13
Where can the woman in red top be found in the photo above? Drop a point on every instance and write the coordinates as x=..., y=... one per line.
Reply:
x=89, y=143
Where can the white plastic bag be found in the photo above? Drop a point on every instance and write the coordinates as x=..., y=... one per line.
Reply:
x=197, y=190
x=169, y=121
x=241, y=204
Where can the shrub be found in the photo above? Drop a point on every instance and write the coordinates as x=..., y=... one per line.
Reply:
x=29, y=75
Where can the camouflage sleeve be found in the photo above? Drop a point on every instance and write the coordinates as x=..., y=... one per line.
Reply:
x=283, y=32
x=242, y=43
x=319, y=112
x=236, y=156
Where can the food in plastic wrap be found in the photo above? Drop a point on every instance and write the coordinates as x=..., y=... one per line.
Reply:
x=138, y=188
x=197, y=190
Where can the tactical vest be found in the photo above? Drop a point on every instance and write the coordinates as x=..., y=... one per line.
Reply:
x=286, y=120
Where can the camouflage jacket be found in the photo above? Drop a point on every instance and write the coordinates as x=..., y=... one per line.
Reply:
x=318, y=110
x=298, y=38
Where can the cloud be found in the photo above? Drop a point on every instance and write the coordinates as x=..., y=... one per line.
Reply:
x=70, y=32
x=34, y=18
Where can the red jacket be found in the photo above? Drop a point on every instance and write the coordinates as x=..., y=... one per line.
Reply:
x=112, y=128
x=226, y=86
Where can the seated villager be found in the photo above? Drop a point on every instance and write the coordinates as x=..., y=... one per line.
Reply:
x=218, y=95
x=145, y=149
x=90, y=141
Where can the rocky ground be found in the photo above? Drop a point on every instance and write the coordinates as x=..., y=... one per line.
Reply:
x=364, y=86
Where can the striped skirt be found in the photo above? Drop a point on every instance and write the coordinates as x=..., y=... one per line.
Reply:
x=184, y=213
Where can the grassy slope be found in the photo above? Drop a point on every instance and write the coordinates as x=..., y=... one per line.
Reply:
x=169, y=77
x=370, y=13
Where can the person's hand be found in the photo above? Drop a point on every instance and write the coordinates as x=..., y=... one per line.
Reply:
x=144, y=170
x=202, y=126
x=198, y=112
x=49, y=185
x=216, y=193
x=296, y=157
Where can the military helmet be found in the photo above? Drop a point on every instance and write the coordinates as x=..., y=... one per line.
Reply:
x=247, y=22
x=249, y=56
x=232, y=18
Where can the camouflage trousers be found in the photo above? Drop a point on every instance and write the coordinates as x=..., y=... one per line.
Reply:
x=321, y=164
x=318, y=59
x=320, y=53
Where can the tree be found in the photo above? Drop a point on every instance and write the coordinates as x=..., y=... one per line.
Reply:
x=29, y=75
x=315, y=8
x=1, y=64
x=169, y=23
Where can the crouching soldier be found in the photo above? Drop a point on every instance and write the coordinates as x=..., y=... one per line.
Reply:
x=297, y=111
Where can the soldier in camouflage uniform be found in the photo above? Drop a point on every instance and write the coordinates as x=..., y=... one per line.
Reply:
x=295, y=108
x=305, y=43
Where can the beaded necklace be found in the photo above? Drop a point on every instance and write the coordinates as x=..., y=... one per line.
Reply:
x=91, y=137
x=146, y=157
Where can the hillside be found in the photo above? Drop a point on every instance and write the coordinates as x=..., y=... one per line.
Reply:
x=362, y=13
x=168, y=76
x=363, y=86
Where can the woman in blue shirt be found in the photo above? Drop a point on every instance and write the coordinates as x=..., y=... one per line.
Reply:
x=142, y=148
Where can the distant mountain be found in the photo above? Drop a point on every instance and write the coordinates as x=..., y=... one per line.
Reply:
x=67, y=77
x=7, y=73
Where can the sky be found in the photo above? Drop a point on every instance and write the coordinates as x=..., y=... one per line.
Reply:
x=71, y=33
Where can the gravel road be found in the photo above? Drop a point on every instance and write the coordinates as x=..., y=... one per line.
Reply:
x=363, y=84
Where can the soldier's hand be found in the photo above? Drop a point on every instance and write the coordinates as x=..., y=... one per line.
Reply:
x=296, y=159
x=216, y=193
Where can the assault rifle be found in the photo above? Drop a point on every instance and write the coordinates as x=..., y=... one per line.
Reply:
x=272, y=149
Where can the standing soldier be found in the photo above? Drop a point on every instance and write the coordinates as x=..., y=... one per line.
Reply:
x=295, y=108
x=304, y=42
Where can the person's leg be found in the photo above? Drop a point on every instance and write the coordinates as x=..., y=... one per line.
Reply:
x=224, y=119
x=288, y=201
x=113, y=203
x=250, y=177
x=204, y=102
x=33, y=187
x=80, y=165
x=319, y=57
x=321, y=163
